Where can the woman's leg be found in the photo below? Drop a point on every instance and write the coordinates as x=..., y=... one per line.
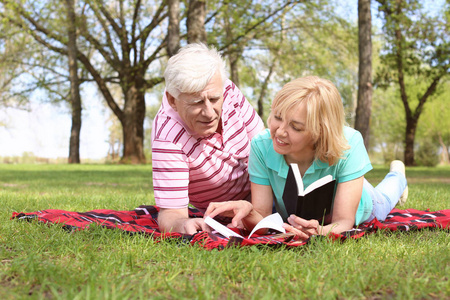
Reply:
x=386, y=194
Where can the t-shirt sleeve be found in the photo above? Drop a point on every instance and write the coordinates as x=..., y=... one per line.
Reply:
x=170, y=175
x=257, y=168
x=248, y=114
x=356, y=162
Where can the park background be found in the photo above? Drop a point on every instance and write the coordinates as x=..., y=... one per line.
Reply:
x=399, y=81
x=266, y=45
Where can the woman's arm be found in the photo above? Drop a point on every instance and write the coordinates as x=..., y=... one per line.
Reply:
x=346, y=201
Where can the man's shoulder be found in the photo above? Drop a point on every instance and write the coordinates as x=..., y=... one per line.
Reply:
x=167, y=129
x=231, y=93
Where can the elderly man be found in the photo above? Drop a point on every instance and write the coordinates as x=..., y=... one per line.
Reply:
x=200, y=139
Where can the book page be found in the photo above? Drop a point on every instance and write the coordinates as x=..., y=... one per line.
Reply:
x=318, y=183
x=273, y=221
x=298, y=179
x=223, y=230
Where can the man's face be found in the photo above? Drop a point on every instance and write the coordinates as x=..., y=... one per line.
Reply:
x=201, y=111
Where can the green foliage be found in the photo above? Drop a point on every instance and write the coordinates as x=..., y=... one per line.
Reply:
x=427, y=154
x=41, y=261
x=310, y=39
x=415, y=57
x=387, y=124
x=434, y=125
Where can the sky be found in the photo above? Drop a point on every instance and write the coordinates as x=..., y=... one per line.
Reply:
x=44, y=130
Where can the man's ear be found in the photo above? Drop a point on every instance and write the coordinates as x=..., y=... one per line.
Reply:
x=171, y=99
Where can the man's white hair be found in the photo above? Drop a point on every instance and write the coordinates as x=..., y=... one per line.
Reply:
x=192, y=68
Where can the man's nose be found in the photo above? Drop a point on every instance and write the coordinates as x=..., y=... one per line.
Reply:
x=208, y=109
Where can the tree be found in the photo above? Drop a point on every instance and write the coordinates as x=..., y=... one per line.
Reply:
x=196, y=21
x=75, y=98
x=308, y=39
x=125, y=43
x=238, y=26
x=173, y=30
x=417, y=51
x=364, y=102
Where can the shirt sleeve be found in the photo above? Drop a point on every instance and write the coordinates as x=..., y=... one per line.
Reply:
x=170, y=175
x=248, y=114
x=356, y=162
x=257, y=167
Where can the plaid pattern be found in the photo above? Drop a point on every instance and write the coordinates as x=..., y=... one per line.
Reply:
x=144, y=220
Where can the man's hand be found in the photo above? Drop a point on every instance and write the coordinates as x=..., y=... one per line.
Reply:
x=236, y=209
x=193, y=225
x=177, y=220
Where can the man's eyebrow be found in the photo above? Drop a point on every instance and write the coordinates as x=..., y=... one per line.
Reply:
x=198, y=100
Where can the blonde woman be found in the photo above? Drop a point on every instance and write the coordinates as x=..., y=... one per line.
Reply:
x=307, y=127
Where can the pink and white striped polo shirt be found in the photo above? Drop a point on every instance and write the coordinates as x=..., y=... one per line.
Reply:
x=199, y=170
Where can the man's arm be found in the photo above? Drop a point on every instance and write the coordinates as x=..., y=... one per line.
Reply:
x=177, y=220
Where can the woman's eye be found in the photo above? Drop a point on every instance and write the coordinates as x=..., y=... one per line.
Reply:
x=296, y=128
x=277, y=118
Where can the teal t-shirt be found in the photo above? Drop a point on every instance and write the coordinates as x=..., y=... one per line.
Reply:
x=267, y=167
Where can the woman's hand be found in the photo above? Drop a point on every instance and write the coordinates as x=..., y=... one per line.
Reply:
x=236, y=209
x=302, y=228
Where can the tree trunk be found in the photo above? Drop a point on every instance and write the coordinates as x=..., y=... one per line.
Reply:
x=264, y=87
x=410, y=136
x=133, y=125
x=75, y=99
x=132, y=121
x=196, y=21
x=233, y=57
x=364, y=104
x=173, y=32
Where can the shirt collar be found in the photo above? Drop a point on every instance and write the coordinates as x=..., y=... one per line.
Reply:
x=279, y=165
x=277, y=162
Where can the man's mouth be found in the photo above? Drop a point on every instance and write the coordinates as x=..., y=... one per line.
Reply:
x=208, y=122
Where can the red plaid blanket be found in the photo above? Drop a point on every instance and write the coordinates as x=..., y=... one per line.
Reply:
x=144, y=220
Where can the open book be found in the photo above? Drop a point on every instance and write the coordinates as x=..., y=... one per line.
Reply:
x=273, y=221
x=314, y=202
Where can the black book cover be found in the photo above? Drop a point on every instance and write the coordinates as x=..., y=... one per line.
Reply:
x=313, y=205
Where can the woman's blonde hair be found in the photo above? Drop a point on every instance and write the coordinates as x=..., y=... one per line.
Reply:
x=325, y=117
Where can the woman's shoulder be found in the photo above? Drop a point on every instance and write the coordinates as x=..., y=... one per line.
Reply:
x=262, y=137
x=352, y=135
x=262, y=141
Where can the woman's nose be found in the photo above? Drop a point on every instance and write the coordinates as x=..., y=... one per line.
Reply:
x=281, y=130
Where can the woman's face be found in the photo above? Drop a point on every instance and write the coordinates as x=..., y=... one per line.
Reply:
x=289, y=135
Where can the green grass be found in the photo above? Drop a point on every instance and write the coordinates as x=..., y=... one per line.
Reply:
x=45, y=262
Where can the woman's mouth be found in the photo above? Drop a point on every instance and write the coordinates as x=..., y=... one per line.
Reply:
x=280, y=142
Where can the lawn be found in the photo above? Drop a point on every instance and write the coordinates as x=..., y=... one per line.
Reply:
x=45, y=262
